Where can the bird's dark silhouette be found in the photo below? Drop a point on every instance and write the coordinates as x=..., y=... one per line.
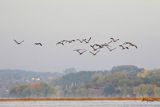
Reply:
x=114, y=40
x=84, y=40
x=69, y=41
x=95, y=52
x=123, y=47
x=92, y=46
x=61, y=42
x=18, y=43
x=80, y=51
x=95, y=47
x=109, y=42
x=127, y=47
x=106, y=44
x=130, y=44
x=98, y=45
x=40, y=44
x=87, y=41
x=81, y=41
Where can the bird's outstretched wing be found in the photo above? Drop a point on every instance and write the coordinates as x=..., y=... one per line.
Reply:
x=18, y=42
x=92, y=46
x=131, y=44
x=94, y=53
x=114, y=40
x=80, y=51
x=60, y=43
x=70, y=41
x=96, y=46
x=38, y=44
x=21, y=41
x=122, y=47
x=81, y=41
x=87, y=41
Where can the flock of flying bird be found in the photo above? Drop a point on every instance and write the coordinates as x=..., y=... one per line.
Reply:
x=96, y=47
x=18, y=43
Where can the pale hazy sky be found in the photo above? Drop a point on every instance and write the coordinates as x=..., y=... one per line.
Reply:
x=49, y=21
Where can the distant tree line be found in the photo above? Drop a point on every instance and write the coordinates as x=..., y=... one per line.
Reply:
x=121, y=81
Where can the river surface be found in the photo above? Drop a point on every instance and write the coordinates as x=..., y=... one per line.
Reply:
x=80, y=104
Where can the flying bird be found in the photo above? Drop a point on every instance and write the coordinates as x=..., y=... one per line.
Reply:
x=106, y=44
x=109, y=42
x=61, y=42
x=96, y=45
x=127, y=47
x=114, y=40
x=87, y=41
x=100, y=46
x=18, y=43
x=84, y=40
x=95, y=52
x=81, y=41
x=92, y=46
x=123, y=47
x=40, y=44
x=69, y=41
x=80, y=51
x=131, y=44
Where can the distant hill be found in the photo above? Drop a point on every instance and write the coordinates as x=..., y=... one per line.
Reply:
x=128, y=68
x=22, y=75
x=10, y=78
x=119, y=81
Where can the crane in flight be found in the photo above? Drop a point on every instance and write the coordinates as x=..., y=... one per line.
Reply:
x=80, y=51
x=114, y=40
x=87, y=41
x=18, y=43
x=94, y=53
x=40, y=44
x=61, y=42
x=130, y=44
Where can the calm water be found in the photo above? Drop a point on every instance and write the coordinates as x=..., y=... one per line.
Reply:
x=81, y=104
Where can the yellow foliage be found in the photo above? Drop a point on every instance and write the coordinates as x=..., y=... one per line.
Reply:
x=143, y=74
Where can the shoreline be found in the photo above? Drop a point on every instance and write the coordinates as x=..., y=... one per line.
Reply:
x=78, y=99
